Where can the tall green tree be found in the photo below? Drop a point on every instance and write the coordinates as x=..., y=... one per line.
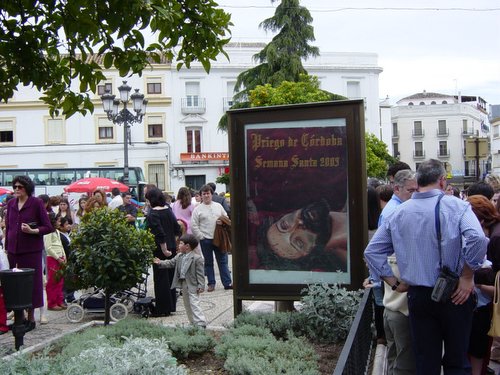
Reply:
x=281, y=59
x=51, y=43
x=377, y=156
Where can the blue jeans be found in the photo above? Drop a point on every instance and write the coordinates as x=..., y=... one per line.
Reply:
x=209, y=249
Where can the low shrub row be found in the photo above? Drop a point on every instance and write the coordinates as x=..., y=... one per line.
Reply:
x=256, y=344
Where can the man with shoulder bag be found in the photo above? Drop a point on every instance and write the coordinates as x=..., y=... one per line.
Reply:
x=438, y=242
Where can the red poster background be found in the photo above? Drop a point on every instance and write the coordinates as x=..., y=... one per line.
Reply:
x=289, y=168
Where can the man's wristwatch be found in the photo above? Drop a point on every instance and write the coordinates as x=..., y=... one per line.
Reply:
x=395, y=286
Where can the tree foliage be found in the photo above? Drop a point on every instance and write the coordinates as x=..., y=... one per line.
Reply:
x=108, y=253
x=281, y=59
x=377, y=156
x=305, y=90
x=50, y=44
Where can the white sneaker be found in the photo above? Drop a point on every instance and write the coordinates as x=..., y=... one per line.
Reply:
x=10, y=316
x=43, y=319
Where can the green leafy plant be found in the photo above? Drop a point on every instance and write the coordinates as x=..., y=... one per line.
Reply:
x=329, y=311
x=223, y=179
x=135, y=356
x=183, y=342
x=108, y=253
x=377, y=156
x=278, y=323
x=248, y=349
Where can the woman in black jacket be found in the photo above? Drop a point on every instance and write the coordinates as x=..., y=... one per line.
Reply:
x=163, y=225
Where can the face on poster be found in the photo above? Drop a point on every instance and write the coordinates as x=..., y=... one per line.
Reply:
x=297, y=202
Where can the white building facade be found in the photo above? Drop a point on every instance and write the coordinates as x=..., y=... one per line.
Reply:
x=177, y=143
x=432, y=125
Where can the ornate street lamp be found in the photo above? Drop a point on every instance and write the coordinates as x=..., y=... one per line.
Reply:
x=111, y=106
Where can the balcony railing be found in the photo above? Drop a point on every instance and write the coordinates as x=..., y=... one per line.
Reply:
x=418, y=133
x=193, y=105
x=467, y=132
x=443, y=153
x=443, y=132
x=227, y=103
x=418, y=154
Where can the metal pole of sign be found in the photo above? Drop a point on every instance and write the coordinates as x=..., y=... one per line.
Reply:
x=476, y=141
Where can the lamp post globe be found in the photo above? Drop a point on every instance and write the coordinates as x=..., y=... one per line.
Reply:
x=111, y=106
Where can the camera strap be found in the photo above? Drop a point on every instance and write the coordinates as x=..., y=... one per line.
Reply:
x=438, y=230
x=438, y=233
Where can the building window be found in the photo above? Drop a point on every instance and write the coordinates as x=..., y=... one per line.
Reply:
x=353, y=89
x=417, y=165
x=410, y=103
x=101, y=89
x=470, y=168
x=444, y=102
x=156, y=175
x=395, y=129
x=55, y=131
x=154, y=88
x=228, y=100
x=443, y=148
x=195, y=182
x=193, y=137
x=433, y=102
x=192, y=94
x=155, y=127
x=6, y=132
x=496, y=132
x=395, y=149
x=442, y=127
x=421, y=103
x=155, y=130
x=417, y=128
x=419, y=149
x=105, y=130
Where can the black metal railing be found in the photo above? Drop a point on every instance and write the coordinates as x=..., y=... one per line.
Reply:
x=356, y=354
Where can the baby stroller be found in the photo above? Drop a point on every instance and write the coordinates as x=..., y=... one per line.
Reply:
x=122, y=303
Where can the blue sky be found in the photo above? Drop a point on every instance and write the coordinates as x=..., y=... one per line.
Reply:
x=440, y=45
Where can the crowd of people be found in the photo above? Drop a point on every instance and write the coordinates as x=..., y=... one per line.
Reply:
x=36, y=233
x=424, y=234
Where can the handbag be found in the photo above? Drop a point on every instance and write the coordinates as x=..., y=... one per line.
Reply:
x=495, y=318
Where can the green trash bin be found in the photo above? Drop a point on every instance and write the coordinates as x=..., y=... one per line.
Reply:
x=17, y=288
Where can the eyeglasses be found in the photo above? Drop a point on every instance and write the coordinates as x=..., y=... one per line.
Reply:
x=20, y=187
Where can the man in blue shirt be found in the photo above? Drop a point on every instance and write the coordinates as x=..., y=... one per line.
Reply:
x=410, y=233
x=400, y=357
x=404, y=184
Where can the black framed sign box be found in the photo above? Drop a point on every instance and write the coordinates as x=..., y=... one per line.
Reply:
x=298, y=196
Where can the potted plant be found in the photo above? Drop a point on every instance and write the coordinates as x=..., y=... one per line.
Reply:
x=108, y=253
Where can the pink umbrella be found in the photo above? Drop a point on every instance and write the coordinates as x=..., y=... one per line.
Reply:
x=5, y=191
x=88, y=185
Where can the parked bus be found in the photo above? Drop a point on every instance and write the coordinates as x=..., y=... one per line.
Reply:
x=52, y=181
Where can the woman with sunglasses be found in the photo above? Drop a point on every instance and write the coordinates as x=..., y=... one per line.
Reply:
x=25, y=225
